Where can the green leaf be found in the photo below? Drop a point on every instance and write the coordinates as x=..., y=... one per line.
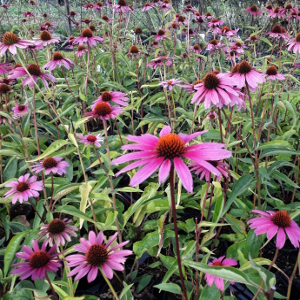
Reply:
x=11, y=168
x=143, y=283
x=274, y=144
x=252, y=244
x=11, y=250
x=275, y=151
x=126, y=293
x=169, y=287
x=84, y=192
x=149, y=241
x=51, y=149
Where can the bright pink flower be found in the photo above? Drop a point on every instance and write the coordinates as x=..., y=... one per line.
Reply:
x=3, y=120
x=28, y=14
x=58, y=231
x=97, y=254
x=35, y=47
x=24, y=188
x=159, y=153
x=274, y=13
x=121, y=7
x=35, y=72
x=53, y=164
x=87, y=37
x=294, y=15
x=73, y=14
x=215, y=22
x=58, y=61
x=5, y=6
x=279, y=223
x=49, y=25
x=273, y=75
x=294, y=44
x=37, y=261
x=277, y=32
x=216, y=90
x=4, y=68
x=219, y=165
x=99, y=6
x=20, y=110
x=214, y=45
x=11, y=42
x=46, y=39
x=196, y=48
x=283, y=12
x=220, y=262
x=161, y=34
x=88, y=6
x=189, y=9
x=160, y=61
x=165, y=6
x=116, y=97
x=245, y=73
x=253, y=10
x=269, y=8
x=104, y=111
x=170, y=83
x=231, y=34
x=91, y=139
x=147, y=6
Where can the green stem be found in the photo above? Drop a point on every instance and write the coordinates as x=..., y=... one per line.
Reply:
x=109, y=284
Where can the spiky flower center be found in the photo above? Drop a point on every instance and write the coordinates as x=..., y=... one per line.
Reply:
x=214, y=42
x=39, y=259
x=211, y=81
x=87, y=33
x=212, y=116
x=9, y=38
x=96, y=255
x=283, y=30
x=181, y=19
x=217, y=264
x=57, y=56
x=4, y=88
x=147, y=4
x=191, y=31
x=160, y=32
x=106, y=96
x=166, y=1
x=238, y=44
x=244, y=67
x=208, y=14
x=45, y=15
x=170, y=146
x=56, y=226
x=47, y=23
x=196, y=47
x=271, y=70
x=81, y=47
x=197, y=82
x=21, y=107
x=281, y=219
x=214, y=20
x=174, y=24
x=102, y=109
x=122, y=2
x=253, y=38
x=170, y=82
x=22, y=186
x=276, y=10
x=91, y=138
x=49, y=162
x=105, y=18
x=134, y=49
x=269, y=6
x=99, y=3
x=234, y=69
x=213, y=162
x=225, y=29
x=234, y=48
x=276, y=29
x=34, y=69
x=87, y=21
x=138, y=30
x=253, y=8
x=189, y=7
x=298, y=37
x=90, y=5
x=72, y=13
x=92, y=27
x=289, y=6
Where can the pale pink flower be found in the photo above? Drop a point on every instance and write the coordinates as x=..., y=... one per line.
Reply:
x=253, y=10
x=91, y=139
x=20, y=110
x=97, y=254
x=273, y=75
x=121, y=7
x=274, y=13
x=294, y=15
x=147, y=6
x=105, y=19
x=4, y=68
x=11, y=42
x=161, y=34
x=220, y=262
x=229, y=33
x=81, y=50
x=212, y=115
x=170, y=83
x=283, y=12
x=160, y=61
x=215, y=22
x=277, y=32
x=280, y=223
x=28, y=14
x=214, y=45
x=37, y=261
x=252, y=39
x=24, y=188
x=218, y=90
x=165, y=6
x=154, y=153
x=99, y=6
x=87, y=37
x=189, y=9
x=46, y=39
x=59, y=61
x=88, y=6
x=116, y=97
x=294, y=44
x=53, y=164
x=269, y=8
x=58, y=232
x=104, y=111
x=35, y=72
x=3, y=120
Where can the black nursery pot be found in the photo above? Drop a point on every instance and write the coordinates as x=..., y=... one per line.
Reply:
x=19, y=209
x=282, y=286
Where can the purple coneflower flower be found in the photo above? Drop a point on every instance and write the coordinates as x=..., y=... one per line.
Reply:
x=73, y=14
x=88, y=6
x=147, y=6
x=28, y=14
x=269, y=8
x=215, y=22
x=59, y=60
x=160, y=61
x=273, y=75
x=20, y=110
x=165, y=5
x=49, y=25
x=11, y=42
x=214, y=45
x=253, y=10
x=46, y=38
x=116, y=97
x=283, y=12
x=189, y=9
x=294, y=44
x=24, y=188
x=91, y=139
x=218, y=90
x=229, y=33
x=45, y=15
x=274, y=13
x=104, y=111
x=212, y=115
x=87, y=37
x=58, y=231
x=3, y=120
x=37, y=261
x=105, y=18
x=279, y=223
x=121, y=7
x=159, y=153
x=5, y=88
x=81, y=50
x=220, y=262
x=53, y=164
x=252, y=38
x=196, y=48
x=161, y=34
x=219, y=165
x=35, y=47
x=4, y=68
x=277, y=32
x=245, y=73
x=190, y=87
x=170, y=83
x=35, y=72
x=99, y=6
x=97, y=255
